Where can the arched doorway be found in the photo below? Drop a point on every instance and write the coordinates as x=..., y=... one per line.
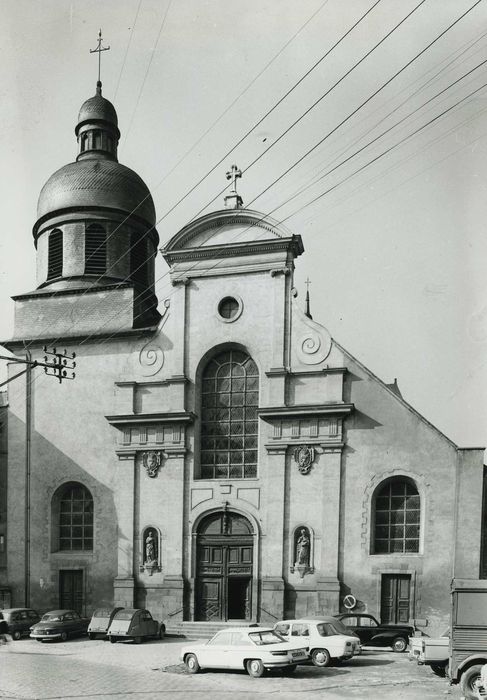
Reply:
x=224, y=555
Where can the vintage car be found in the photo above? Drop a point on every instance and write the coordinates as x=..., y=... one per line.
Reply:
x=430, y=651
x=19, y=620
x=100, y=622
x=323, y=637
x=373, y=634
x=134, y=623
x=253, y=649
x=59, y=624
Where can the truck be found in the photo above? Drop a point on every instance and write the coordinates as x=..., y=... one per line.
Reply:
x=468, y=639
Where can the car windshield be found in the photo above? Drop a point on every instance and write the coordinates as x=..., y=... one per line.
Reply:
x=52, y=617
x=102, y=613
x=268, y=637
x=327, y=629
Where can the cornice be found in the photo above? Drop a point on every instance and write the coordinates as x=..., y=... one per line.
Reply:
x=227, y=250
x=279, y=412
x=145, y=418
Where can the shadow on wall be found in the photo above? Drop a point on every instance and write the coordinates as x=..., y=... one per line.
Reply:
x=50, y=470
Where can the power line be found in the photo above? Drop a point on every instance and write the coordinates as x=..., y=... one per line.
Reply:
x=127, y=49
x=213, y=168
x=161, y=27
x=374, y=94
x=245, y=136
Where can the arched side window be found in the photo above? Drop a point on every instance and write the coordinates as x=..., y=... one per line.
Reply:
x=229, y=423
x=397, y=517
x=95, y=250
x=75, y=518
x=55, y=254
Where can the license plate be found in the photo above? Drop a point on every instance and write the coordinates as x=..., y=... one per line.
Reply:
x=298, y=654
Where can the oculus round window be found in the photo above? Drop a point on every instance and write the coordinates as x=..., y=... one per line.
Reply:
x=229, y=309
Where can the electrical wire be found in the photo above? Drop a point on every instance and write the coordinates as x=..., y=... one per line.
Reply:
x=127, y=49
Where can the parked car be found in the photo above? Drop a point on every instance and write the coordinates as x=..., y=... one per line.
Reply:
x=373, y=634
x=100, y=622
x=59, y=624
x=326, y=644
x=249, y=648
x=134, y=623
x=19, y=620
x=430, y=651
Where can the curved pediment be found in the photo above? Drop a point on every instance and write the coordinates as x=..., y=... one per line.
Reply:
x=227, y=227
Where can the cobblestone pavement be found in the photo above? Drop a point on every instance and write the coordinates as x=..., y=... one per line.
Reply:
x=97, y=669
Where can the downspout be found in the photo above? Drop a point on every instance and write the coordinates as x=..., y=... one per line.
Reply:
x=28, y=432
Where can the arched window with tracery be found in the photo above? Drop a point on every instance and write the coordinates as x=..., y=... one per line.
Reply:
x=397, y=517
x=229, y=424
x=75, y=512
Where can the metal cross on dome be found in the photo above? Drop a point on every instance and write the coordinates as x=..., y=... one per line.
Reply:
x=98, y=50
x=232, y=175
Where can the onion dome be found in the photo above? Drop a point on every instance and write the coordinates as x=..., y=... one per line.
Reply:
x=96, y=179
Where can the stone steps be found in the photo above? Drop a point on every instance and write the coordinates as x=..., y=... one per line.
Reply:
x=199, y=630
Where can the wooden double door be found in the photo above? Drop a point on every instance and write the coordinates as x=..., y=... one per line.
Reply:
x=224, y=579
x=71, y=593
x=395, y=605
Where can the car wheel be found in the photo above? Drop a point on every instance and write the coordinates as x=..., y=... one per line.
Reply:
x=468, y=682
x=64, y=636
x=16, y=635
x=162, y=632
x=320, y=657
x=112, y=640
x=255, y=668
x=439, y=670
x=91, y=635
x=39, y=640
x=192, y=663
x=138, y=640
x=399, y=644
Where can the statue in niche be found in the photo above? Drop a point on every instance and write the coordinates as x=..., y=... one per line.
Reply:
x=302, y=547
x=150, y=548
x=150, y=554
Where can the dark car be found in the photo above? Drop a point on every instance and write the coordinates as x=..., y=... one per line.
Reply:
x=59, y=624
x=373, y=634
x=19, y=620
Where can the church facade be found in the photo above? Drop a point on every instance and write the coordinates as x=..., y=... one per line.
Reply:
x=218, y=455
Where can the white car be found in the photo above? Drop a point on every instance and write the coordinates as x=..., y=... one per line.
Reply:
x=252, y=648
x=323, y=638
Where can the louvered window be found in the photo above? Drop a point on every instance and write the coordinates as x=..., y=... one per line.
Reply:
x=76, y=518
x=95, y=250
x=55, y=255
x=138, y=260
x=397, y=518
x=229, y=422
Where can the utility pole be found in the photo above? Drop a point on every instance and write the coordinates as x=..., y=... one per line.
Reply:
x=56, y=364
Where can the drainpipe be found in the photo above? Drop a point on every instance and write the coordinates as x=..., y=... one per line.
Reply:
x=28, y=432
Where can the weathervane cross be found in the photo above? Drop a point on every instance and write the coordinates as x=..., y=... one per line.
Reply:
x=98, y=50
x=232, y=175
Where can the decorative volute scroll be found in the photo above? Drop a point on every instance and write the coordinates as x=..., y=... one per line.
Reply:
x=311, y=341
x=151, y=356
x=302, y=555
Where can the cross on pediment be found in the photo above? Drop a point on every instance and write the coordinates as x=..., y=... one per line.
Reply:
x=232, y=175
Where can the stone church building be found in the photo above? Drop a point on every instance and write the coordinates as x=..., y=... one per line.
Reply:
x=218, y=455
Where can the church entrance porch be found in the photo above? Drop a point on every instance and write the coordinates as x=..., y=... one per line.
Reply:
x=224, y=558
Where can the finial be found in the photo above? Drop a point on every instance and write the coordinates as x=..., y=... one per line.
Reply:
x=233, y=200
x=307, y=311
x=98, y=50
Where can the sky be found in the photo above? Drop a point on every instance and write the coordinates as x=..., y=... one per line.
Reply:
x=395, y=241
